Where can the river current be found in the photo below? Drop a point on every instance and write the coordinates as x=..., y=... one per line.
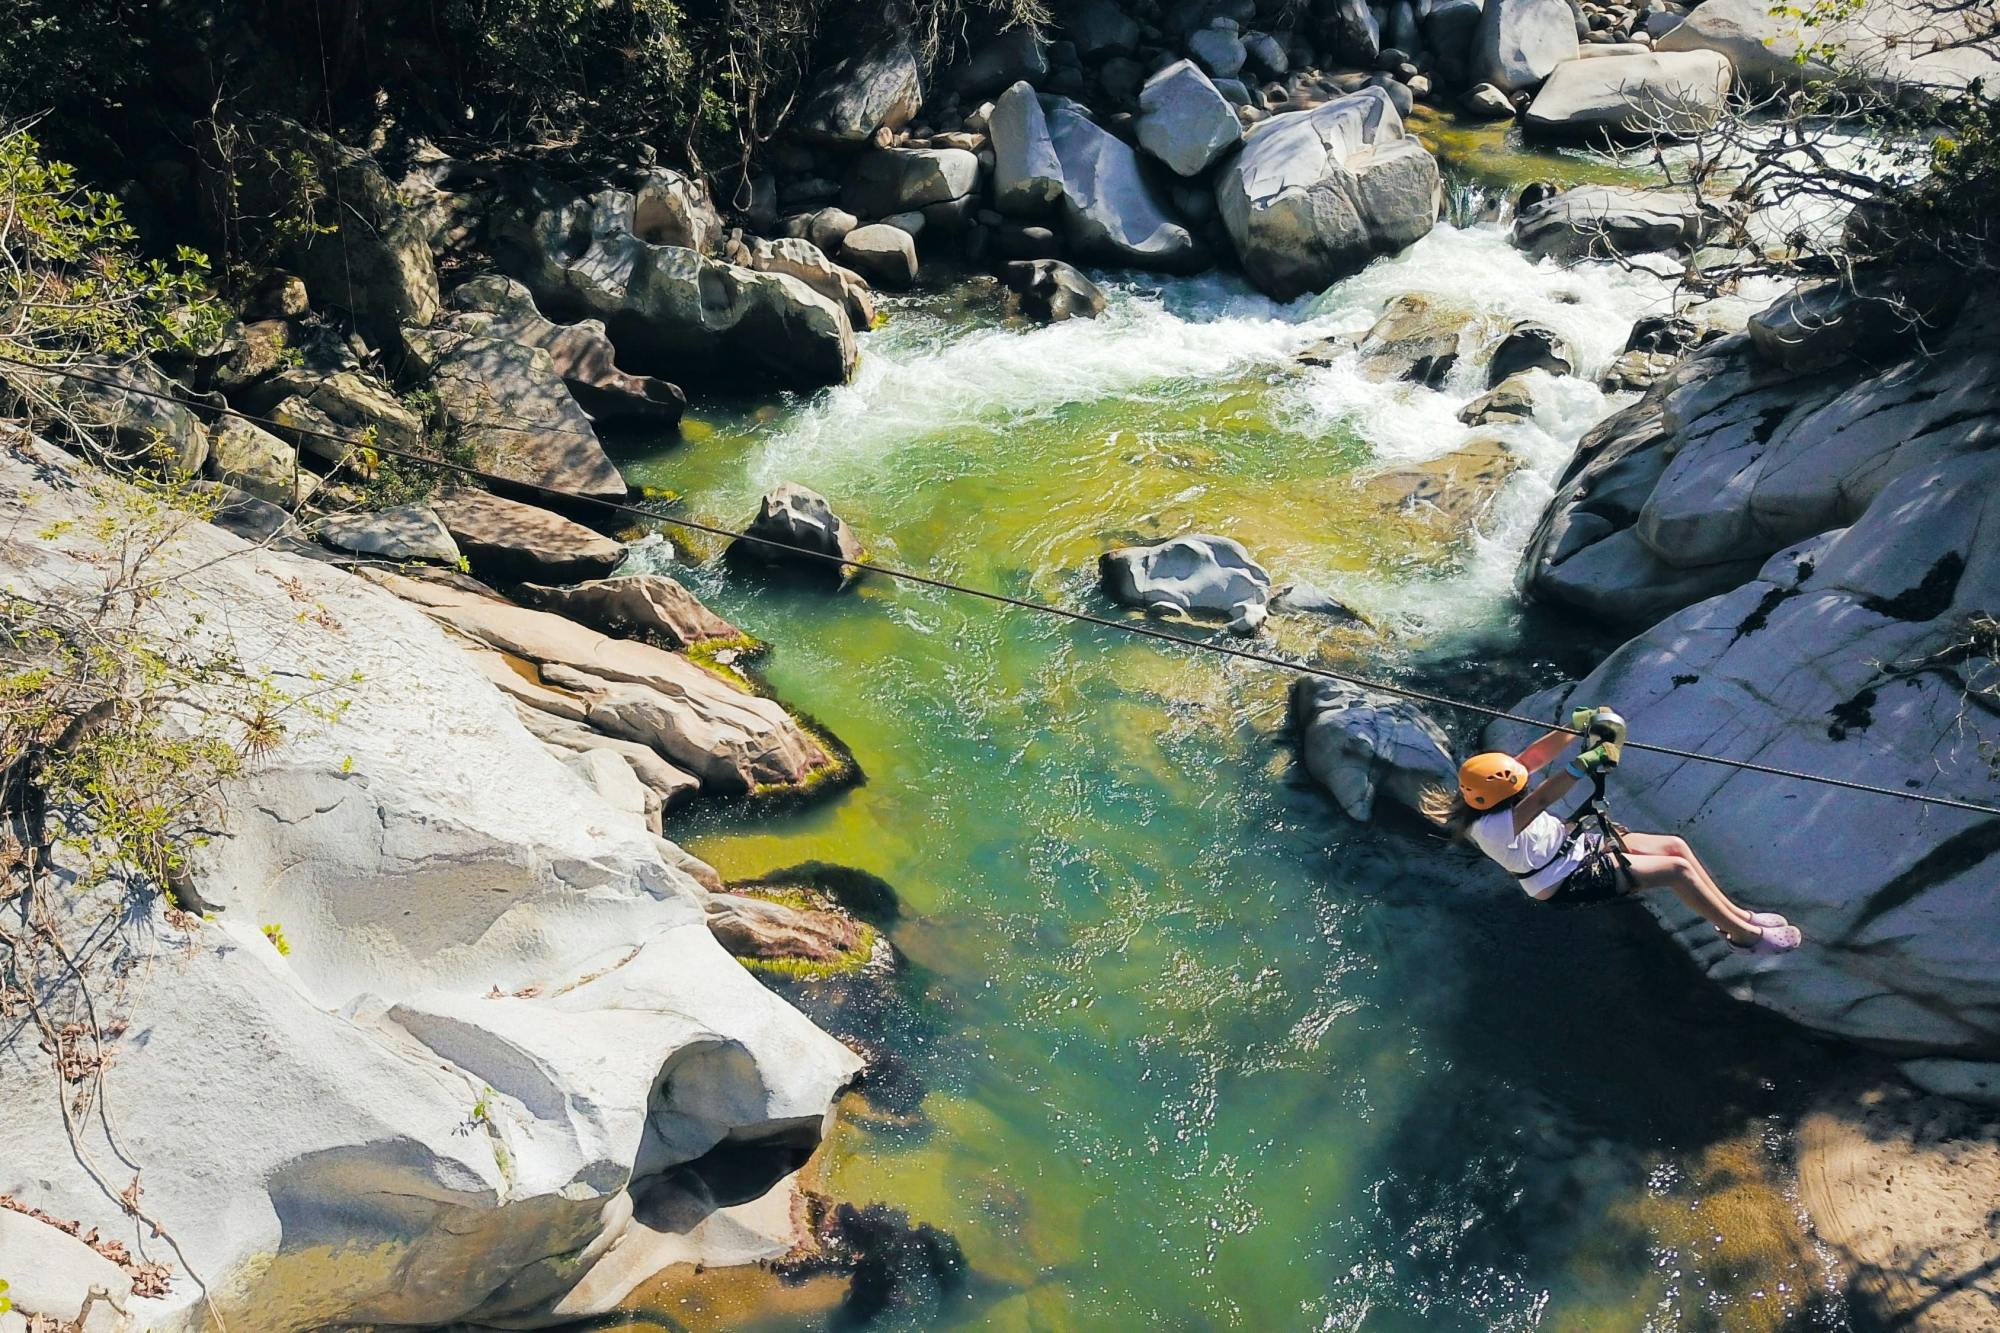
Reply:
x=1194, y=1050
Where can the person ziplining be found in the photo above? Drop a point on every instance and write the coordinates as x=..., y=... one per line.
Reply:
x=1587, y=859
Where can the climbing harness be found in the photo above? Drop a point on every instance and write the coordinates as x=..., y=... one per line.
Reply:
x=1000, y=598
x=1596, y=813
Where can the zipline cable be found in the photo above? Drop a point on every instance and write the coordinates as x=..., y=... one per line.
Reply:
x=1024, y=604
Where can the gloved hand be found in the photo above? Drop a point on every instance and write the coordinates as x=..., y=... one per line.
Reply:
x=1581, y=718
x=1599, y=758
x=1606, y=725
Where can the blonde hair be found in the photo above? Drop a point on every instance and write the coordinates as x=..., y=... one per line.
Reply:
x=1450, y=811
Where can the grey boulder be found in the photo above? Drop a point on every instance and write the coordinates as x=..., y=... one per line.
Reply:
x=505, y=539
x=253, y=460
x=1600, y=221
x=1110, y=211
x=886, y=255
x=1027, y=174
x=1051, y=291
x=1198, y=574
x=1219, y=50
x=797, y=526
x=1314, y=195
x=1362, y=745
x=1519, y=43
x=1183, y=121
x=887, y=181
x=403, y=532
x=1626, y=98
x=864, y=93
x=499, y=307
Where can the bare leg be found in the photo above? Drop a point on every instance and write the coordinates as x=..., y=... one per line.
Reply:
x=1686, y=883
x=1666, y=845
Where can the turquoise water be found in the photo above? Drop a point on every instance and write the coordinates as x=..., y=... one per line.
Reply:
x=1196, y=1051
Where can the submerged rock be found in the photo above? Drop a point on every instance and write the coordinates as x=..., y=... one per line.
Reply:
x=1202, y=574
x=1362, y=745
x=1441, y=500
x=1314, y=195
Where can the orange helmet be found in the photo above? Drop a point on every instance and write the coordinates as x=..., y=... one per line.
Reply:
x=1485, y=780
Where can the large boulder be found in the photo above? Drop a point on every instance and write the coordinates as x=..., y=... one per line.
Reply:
x=1519, y=43
x=508, y=540
x=1669, y=95
x=399, y=533
x=1198, y=574
x=498, y=307
x=1602, y=221
x=1111, y=211
x=670, y=308
x=257, y=462
x=1353, y=31
x=733, y=741
x=1027, y=174
x=499, y=1022
x=672, y=208
x=886, y=181
x=130, y=410
x=1729, y=460
x=633, y=606
x=1883, y=45
x=1314, y=195
x=878, y=88
x=885, y=255
x=1183, y=121
x=1361, y=745
x=505, y=404
x=807, y=261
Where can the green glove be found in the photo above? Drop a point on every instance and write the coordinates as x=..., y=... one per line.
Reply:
x=1581, y=718
x=1599, y=758
x=1606, y=726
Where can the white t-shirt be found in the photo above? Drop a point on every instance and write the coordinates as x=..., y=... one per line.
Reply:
x=1533, y=848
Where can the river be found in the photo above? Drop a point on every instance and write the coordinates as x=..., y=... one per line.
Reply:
x=1196, y=1051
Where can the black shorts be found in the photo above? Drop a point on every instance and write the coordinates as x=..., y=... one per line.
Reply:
x=1596, y=881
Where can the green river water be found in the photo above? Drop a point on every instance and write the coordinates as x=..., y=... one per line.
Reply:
x=1195, y=1050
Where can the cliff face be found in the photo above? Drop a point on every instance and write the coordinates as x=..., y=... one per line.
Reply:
x=1812, y=508
x=500, y=1027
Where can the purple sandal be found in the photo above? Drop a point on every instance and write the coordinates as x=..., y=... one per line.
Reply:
x=1770, y=940
x=1766, y=919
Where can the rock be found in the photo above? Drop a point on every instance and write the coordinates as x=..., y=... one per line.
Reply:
x=343, y=397
x=399, y=533
x=669, y=305
x=1449, y=28
x=884, y=181
x=1110, y=210
x=518, y=542
x=1415, y=339
x=800, y=519
x=1820, y=322
x=670, y=208
x=277, y=296
x=1512, y=399
x=1897, y=1185
x=1529, y=346
x=489, y=982
x=1440, y=501
x=617, y=786
x=1304, y=598
x=1764, y=48
x=1637, y=370
x=863, y=93
x=1183, y=121
x=250, y=353
x=51, y=1275
x=374, y=258
x=735, y=742
x=1100, y=29
x=135, y=412
x=885, y=255
x=1200, y=574
x=1519, y=43
x=1488, y=103
x=255, y=461
x=752, y=927
x=1051, y=291
x=311, y=431
x=1660, y=22
x=1596, y=221
x=1314, y=195
x=497, y=307
x=1353, y=31
x=1011, y=240
x=1027, y=174
x=802, y=259
x=1121, y=80
x=1361, y=745
x=1672, y=95
x=1267, y=53
x=1015, y=56
x=1219, y=50
x=245, y=516
x=635, y=606
x=829, y=227
x=504, y=403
